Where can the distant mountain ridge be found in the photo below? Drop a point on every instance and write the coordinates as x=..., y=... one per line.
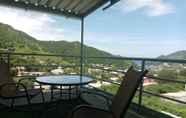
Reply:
x=22, y=42
x=175, y=55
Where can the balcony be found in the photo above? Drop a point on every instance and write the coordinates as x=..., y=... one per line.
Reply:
x=63, y=109
x=161, y=94
x=149, y=102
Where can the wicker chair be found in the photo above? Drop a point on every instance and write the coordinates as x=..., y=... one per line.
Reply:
x=120, y=102
x=9, y=90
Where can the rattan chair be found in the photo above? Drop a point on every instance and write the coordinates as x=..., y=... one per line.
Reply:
x=120, y=102
x=10, y=90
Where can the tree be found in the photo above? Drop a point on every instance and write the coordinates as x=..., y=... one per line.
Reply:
x=183, y=72
x=168, y=74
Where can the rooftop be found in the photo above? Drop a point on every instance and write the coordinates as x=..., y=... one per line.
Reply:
x=69, y=8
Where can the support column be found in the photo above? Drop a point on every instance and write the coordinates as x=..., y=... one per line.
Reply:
x=82, y=49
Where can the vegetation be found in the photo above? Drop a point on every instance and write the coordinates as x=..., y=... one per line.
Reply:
x=168, y=74
x=164, y=88
x=156, y=103
x=111, y=88
x=183, y=73
x=21, y=42
x=176, y=55
x=162, y=105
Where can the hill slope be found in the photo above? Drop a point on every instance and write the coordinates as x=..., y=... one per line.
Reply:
x=22, y=42
x=175, y=55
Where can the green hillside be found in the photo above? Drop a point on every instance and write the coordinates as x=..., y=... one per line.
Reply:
x=70, y=48
x=175, y=55
x=23, y=43
x=20, y=41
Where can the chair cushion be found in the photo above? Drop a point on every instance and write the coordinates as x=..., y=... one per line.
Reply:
x=8, y=91
x=5, y=77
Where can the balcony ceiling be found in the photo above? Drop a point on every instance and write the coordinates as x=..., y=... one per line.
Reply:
x=68, y=8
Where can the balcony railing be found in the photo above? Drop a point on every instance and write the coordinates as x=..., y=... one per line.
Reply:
x=139, y=63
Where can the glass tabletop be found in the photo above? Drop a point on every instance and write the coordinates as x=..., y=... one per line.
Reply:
x=64, y=80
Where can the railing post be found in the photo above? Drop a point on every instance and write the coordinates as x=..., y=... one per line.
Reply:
x=82, y=49
x=141, y=85
x=8, y=61
x=102, y=77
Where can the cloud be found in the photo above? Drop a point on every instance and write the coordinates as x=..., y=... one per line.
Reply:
x=150, y=7
x=39, y=25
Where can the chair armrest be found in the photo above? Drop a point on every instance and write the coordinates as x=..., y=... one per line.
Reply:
x=30, y=79
x=108, y=99
x=39, y=84
x=89, y=107
x=17, y=86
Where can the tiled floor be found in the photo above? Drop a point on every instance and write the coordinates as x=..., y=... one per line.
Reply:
x=51, y=112
x=59, y=109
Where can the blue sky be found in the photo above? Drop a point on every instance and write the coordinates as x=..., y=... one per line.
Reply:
x=133, y=28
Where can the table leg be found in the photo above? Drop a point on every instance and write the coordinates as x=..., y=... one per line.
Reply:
x=77, y=91
x=52, y=93
x=61, y=91
x=69, y=92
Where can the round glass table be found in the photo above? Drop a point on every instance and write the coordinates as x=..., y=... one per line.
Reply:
x=65, y=80
x=69, y=84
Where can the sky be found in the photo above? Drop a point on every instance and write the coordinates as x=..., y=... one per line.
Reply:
x=131, y=28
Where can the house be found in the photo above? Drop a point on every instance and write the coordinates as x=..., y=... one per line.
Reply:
x=57, y=71
x=148, y=81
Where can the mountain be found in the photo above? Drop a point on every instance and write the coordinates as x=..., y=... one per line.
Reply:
x=70, y=48
x=24, y=43
x=179, y=55
x=175, y=55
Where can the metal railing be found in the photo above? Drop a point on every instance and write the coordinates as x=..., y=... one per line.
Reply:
x=143, y=66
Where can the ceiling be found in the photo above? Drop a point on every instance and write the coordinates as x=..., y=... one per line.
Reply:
x=69, y=8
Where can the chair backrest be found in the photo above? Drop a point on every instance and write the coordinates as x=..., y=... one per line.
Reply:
x=5, y=78
x=126, y=92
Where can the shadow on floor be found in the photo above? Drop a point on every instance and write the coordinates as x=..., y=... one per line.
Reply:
x=61, y=109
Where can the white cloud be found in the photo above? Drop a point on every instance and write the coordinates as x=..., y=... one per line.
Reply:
x=150, y=7
x=39, y=25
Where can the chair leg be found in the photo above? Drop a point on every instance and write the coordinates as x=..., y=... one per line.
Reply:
x=52, y=93
x=42, y=95
x=12, y=103
x=28, y=100
x=61, y=89
x=43, y=98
